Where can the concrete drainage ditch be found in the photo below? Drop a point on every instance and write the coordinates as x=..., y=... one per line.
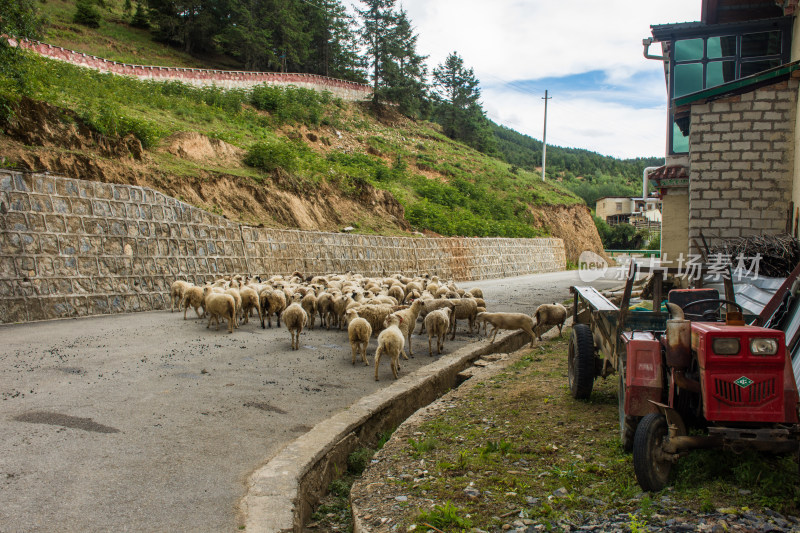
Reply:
x=282, y=493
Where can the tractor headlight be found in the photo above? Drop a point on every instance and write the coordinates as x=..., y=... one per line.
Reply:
x=726, y=346
x=763, y=346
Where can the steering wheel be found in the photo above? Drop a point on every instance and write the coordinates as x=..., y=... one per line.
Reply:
x=711, y=314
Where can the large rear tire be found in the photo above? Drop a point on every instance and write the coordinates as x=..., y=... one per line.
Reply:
x=581, y=362
x=652, y=467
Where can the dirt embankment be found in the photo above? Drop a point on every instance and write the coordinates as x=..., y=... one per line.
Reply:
x=209, y=173
x=574, y=225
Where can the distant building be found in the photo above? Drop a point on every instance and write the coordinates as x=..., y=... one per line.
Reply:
x=732, y=81
x=626, y=210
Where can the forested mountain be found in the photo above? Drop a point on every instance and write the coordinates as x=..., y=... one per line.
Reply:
x=586, y=173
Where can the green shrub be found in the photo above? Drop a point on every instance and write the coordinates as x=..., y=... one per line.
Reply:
x=86, y=13
x=270, y=156
x=291, y=104
x=358, y=460
x=109, y=120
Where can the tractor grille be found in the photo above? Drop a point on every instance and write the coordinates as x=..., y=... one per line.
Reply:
x=756, y=393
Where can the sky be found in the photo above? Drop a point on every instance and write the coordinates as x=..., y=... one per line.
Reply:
x=605, y=96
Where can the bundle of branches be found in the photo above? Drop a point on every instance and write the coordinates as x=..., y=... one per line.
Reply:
x=767, y=255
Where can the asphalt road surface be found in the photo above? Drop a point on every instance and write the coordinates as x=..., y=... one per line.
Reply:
x=147, y=422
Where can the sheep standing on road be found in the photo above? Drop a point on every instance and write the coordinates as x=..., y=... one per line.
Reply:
x=193, y=297
x=219, y=306
x=437, y=322
x=309, y=303
x=295, y=319
x=390, y=342
x=359, y=332
x=250, y=300
x=464, y=308
x=272, y=301
x=409, y=322
x=176, y=293
x=547, y=316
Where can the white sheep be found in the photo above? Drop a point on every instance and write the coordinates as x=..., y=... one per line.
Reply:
x=272, y=301
x=390, y=342
x=510, y=321
x=220, y=306
x=359, y=332
x=409, y=322
x=193, y=297
x=375, y=315
x=433, y=305
x=547, y=316
x=237, y=299
x=437, y=323
x=463, y=308
x=176, y=292
x=309, y=303
x=250, y=300
x=295, y=319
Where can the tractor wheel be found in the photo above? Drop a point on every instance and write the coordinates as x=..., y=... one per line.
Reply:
x=581, y=362
x=651, y=466
x=627, y=423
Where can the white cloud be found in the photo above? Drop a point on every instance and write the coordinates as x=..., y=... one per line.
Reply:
x=510, y=41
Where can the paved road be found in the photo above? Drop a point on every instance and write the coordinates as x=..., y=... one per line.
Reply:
x=145, y=422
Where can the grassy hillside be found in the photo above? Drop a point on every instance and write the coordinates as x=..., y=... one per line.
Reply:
x=294, y=141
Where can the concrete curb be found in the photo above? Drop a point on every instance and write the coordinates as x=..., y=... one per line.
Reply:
x=359, y=526
x=281, y=494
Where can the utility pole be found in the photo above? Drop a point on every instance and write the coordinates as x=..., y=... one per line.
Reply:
x=544, y=136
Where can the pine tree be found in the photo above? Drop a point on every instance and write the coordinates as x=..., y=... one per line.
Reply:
x=334, y=45
x=460, y=112
x=406, y=70
x=378, y=20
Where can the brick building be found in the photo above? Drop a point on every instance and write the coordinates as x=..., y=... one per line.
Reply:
x=732, y=81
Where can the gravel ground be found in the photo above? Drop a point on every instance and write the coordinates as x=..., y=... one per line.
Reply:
x=146, y=422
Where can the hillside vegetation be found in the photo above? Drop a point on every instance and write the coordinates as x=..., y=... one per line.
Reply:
x=277, y=157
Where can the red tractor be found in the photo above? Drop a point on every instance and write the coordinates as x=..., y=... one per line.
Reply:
x=691, y=370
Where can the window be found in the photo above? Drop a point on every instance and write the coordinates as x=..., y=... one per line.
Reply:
x=701, y=62
x=619, y=207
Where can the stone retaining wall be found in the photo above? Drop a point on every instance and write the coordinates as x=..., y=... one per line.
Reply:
x=73, y=248
x=228, y=79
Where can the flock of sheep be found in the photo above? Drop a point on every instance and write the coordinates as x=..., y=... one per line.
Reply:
x=387, y=307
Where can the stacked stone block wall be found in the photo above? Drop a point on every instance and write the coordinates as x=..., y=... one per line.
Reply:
x=742, y=160
x=71, y=248
x=346, y=90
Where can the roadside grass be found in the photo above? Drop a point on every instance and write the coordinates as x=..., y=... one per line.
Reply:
x=333, y=512
x=521, y=446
